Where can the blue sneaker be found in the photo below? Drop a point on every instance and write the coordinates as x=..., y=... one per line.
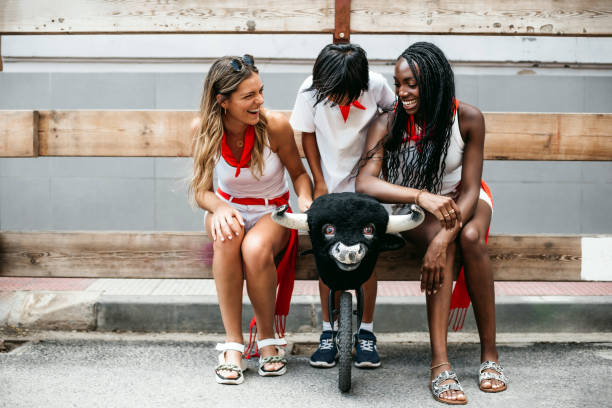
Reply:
x=366, y=354
x=326, y=354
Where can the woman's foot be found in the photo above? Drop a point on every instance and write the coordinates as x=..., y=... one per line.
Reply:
x=491, y=377
x=452, y=396
x=270, y=351
x=231, y=357
x=272, y=361
x=231, y=365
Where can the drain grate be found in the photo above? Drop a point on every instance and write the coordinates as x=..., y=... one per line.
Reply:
x=6, y=346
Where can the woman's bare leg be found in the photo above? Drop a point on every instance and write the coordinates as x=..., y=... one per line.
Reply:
x=227, y=271
x=438, y=304
x=480, y=284
x=261, y=244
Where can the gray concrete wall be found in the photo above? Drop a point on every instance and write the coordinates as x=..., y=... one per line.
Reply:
x=149, y=193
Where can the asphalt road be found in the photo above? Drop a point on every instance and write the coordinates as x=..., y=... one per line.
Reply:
x=176, y=373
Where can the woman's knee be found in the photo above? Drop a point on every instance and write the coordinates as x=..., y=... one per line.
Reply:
x=228, y=247
x=471, y=240
x=256, y=252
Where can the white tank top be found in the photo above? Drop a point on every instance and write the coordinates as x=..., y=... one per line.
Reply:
x=454, y=160
x=271, y=183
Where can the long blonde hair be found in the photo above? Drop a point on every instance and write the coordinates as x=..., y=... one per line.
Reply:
x=223, y=78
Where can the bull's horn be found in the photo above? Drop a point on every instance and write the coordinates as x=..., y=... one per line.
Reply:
x=410, y=220
x=289, y=220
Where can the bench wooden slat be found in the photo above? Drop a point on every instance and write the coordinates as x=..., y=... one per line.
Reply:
x=510, y=136
x=519, y=17
x=182, y=16
x=18, y=133
x=188, y=255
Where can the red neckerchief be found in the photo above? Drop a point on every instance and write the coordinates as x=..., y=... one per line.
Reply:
x=226, y=152
x=411, y=134
x=344, y=109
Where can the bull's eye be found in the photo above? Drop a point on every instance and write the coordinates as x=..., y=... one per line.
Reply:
x=368, y=231
x=329, y=231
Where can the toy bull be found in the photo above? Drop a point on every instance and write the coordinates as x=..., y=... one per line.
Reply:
x=347, y=232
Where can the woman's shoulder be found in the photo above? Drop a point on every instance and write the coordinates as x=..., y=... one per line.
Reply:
x=469, y=113
x=277, y=122
x=278, y=128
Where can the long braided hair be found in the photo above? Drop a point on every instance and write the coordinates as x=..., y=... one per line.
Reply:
x=421, y=165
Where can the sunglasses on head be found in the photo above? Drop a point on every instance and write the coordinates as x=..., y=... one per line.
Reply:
x=239, y=63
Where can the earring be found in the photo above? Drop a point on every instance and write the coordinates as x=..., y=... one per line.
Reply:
x=224, y=111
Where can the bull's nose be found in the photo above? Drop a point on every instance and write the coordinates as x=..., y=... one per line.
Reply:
x=352, y=256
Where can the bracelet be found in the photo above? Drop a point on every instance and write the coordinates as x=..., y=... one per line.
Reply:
x=416, y=199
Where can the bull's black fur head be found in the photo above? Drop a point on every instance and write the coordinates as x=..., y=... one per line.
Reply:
x=356, y=221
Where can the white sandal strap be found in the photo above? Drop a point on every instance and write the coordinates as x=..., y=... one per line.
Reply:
x=230, y=346
x=271, y=342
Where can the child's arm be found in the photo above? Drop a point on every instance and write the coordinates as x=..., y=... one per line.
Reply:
x=311, y=150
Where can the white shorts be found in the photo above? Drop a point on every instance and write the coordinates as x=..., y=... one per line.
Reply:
x=250, y=213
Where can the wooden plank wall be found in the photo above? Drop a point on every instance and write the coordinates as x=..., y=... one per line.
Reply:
x=510, y=136
x=19, y=133
x=188, y=255
x=518, y=17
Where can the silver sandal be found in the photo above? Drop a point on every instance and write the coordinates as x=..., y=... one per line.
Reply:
x=279, y=358
x=437, y=389
x=225, y=366
x=497, y=375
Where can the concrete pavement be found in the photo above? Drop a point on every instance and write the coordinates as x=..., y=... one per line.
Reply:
x=152, y=370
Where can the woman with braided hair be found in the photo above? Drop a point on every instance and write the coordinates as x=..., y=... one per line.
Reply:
x=429, y=151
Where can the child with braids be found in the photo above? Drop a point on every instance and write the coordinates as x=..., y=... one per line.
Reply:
x=430, y=152
x=333, y=109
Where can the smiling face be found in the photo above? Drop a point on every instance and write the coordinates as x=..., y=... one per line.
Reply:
x=406, y=87
x=244, y=103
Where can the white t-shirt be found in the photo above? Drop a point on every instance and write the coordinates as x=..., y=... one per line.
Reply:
x=340, y=143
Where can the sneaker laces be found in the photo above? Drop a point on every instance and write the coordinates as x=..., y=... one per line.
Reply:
x=366, y=345
x=326, y=344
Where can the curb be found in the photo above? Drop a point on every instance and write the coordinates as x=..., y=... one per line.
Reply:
x=47, y=310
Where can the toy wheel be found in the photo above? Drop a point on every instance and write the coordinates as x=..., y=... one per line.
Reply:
x=345, y=343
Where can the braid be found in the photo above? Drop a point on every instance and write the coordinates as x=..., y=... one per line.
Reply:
x=422, y=164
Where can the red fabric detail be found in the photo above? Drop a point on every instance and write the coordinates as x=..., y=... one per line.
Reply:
x=249, y=142
x=344, y=109
x=277, y=201
x=460, y=299
x=411, y=133
x=285, y=276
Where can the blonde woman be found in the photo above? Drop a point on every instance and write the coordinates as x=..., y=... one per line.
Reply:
x=248, y=148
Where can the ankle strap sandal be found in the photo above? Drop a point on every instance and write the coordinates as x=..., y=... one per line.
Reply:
x=279, y=358
x=232, y=367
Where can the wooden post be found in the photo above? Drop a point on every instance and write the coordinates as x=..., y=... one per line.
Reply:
x=342, y=24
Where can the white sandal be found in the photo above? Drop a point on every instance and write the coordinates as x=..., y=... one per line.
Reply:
x=225, y=366
x=279, y=358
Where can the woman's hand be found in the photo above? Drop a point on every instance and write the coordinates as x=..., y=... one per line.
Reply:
x=304, y=203
x=443, y=208
x=225, y=222
x=432, y=271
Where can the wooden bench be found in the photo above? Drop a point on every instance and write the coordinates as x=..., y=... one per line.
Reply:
x=536, y=136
